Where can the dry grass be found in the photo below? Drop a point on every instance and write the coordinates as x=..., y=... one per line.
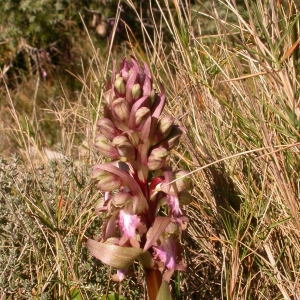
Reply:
x=236, y=90
x=237, y=93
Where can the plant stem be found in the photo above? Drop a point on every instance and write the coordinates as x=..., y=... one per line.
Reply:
x=153, y=281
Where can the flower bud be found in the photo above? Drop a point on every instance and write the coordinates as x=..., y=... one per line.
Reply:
x=133, y=74
x=183, y=182
x=120, y=109
x=136, y=91
x=164, y=127
x=109, y=96
x=120, y=86
x=124, y=69
x=99, y=207
x=106, y=181
x=105, y=147
x=120, y=199
x=157, y=158
x=172, y=139
x=152, y=97
x=124, y=147
x=141, y=116
x=107, y=128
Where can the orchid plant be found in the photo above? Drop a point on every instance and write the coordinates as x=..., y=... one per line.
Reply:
x=142, y=198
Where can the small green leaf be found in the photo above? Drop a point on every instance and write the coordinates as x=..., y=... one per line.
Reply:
x=75, y=294
x=164, y=292
x=113, y=296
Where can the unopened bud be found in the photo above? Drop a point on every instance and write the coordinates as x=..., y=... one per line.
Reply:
x=129, y=85
x=99, y=206
x=172, y=139
x=105, y=181
x=105, y=147
x=120, y=86
x=107, y=128
x=183, y=181
x=124, y=147
x=164, y=127
x=120, y=109
x=141, y=116
x=136, y=91
x=109, y=96
x=120, y=199
x=157, y=158
x=152, y=96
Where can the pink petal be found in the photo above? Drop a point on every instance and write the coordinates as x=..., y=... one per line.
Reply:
x=173, y=202
x=166, y=252
x=122, y=274
x=128, y=224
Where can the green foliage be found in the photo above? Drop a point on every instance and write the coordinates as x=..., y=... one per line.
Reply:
x=54, y=26
x=36, y=22
x=40, y=22
x=112, y=296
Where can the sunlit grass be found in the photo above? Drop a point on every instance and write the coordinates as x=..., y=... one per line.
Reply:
x=235, y=87
x=236, y=92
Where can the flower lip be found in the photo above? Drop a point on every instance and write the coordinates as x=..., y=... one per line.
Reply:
x=128, y=225
x=120, y=275
x=166, y=252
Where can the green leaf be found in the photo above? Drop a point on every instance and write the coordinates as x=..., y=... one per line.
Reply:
x=164, y=292
x=113, y=296
x=75, y=294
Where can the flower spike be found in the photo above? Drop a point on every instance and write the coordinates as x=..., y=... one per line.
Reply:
x=143, y=218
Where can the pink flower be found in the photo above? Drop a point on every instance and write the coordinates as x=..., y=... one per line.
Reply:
x=173, y=202
x=166, y=252
x=120, y=275
x=128, y=225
